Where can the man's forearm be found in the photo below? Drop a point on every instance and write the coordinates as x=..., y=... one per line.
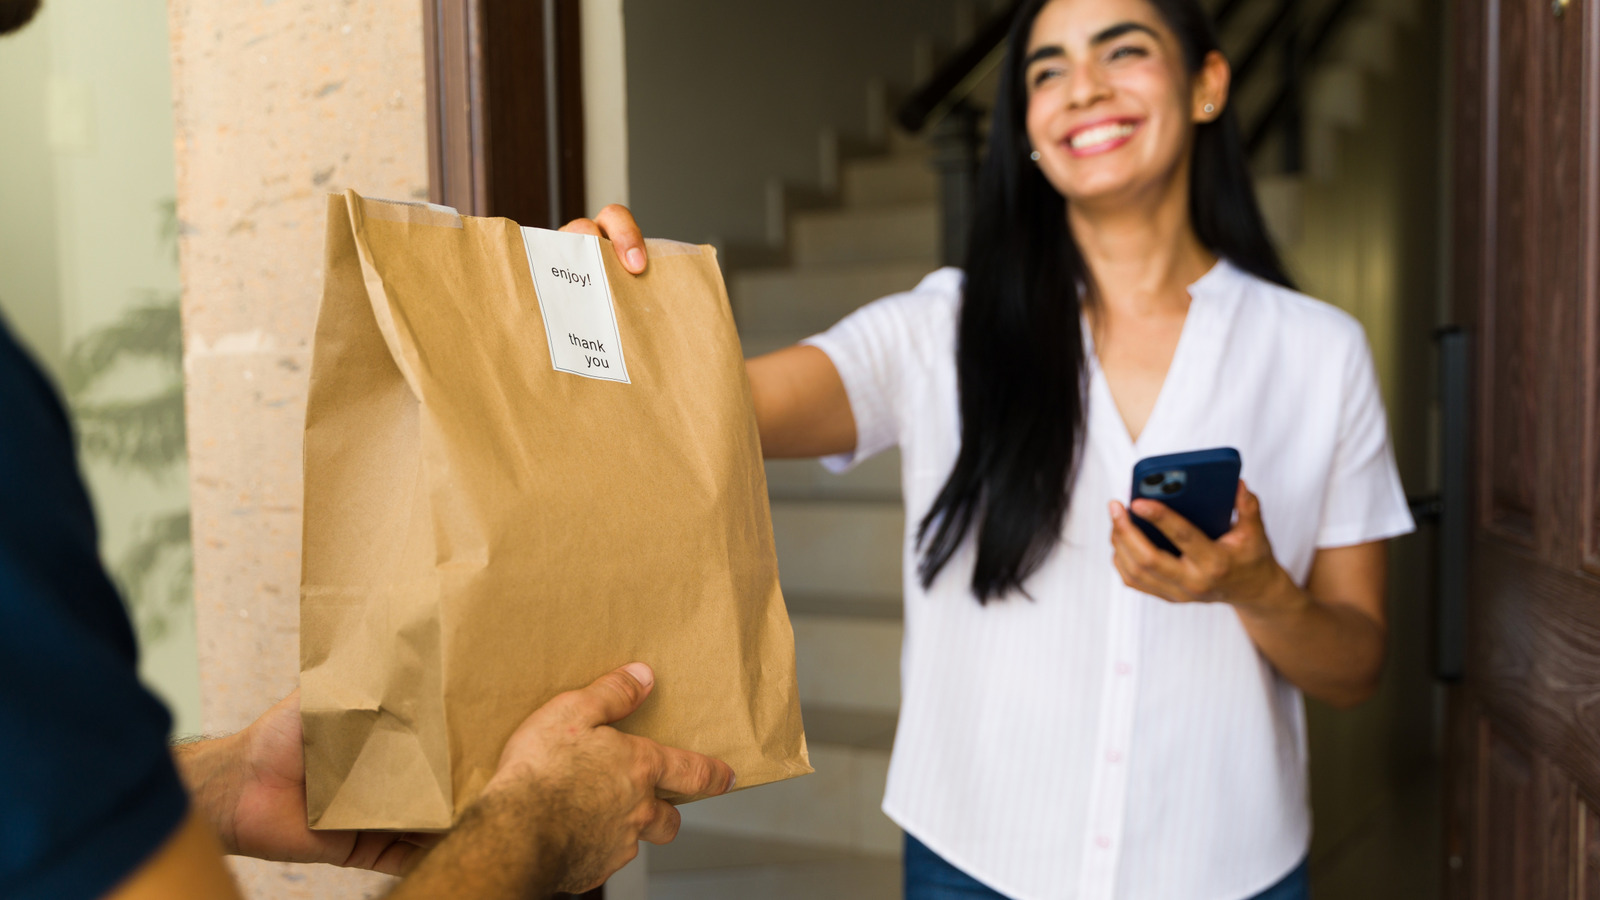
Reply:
x=1330, y=651
x=209, y=768
x=501, y=850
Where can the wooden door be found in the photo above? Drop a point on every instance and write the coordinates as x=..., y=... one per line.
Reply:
x=505, y=108
x=1524, y=802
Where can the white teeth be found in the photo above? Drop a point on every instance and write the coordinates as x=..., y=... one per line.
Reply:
x=1101, y=134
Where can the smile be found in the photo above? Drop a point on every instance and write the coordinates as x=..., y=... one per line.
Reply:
x=1100, y=137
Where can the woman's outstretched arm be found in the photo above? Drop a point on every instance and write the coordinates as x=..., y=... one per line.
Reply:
x=801, y=406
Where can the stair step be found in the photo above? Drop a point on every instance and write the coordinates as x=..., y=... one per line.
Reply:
x=901, y=142
x=1337, y=94
x=838, y=806
x=1282, y=199
x=867, y=730
x=806, y=301
x=845, y=606
x=889, y=181
x=875, y=479
x=696, y=849
x=908, y=232
x=848, y=663
x=839, y=547
x=1368, y=42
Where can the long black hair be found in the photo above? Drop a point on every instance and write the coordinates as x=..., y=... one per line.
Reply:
x=1020, y=361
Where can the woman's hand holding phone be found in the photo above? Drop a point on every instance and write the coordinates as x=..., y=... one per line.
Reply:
x=1238, y=568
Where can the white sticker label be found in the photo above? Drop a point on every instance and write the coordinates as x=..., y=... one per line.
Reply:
x=575, y=300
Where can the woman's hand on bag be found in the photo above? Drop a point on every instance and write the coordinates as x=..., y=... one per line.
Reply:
x=615, y=223
x=595, y=789
x=251, y=788
x=1237, y=568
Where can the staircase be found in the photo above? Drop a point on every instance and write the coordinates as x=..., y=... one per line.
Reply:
x=838, y=540
x=873, y=229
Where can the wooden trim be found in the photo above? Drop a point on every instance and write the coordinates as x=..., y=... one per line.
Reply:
x=505, y=108
x=456, y=175
x=505, y=113
x=1589, y=292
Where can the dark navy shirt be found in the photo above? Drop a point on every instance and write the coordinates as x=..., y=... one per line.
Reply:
x=87, y=786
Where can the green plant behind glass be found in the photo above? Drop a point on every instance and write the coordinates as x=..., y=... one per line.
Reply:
x=143, y=434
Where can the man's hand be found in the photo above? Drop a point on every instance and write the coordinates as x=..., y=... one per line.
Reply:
x=570, y=801
x=566, y=808
x=601, y=785
x=615, y=223
x=251, y=788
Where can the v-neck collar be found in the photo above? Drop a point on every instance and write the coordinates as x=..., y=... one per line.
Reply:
x=1199, y=349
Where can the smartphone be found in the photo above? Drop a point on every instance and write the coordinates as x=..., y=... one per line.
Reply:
x=1199, y=485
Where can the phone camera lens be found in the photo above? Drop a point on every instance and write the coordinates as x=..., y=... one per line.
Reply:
x=1154, y=479
x=1172, y=487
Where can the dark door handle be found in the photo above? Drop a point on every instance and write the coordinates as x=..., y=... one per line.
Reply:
x=1450, y=613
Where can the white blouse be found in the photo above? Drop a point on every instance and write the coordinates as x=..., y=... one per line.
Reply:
x=1097, y=742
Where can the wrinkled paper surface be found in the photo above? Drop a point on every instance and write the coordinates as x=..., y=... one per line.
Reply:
x=483, y=531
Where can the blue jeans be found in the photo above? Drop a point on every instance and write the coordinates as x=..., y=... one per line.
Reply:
x=929, y=877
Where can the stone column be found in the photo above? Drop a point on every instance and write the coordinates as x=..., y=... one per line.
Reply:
x=277, y=103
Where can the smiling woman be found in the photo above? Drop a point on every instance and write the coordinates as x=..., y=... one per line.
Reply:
x=1083, y=715
x=1111, y=95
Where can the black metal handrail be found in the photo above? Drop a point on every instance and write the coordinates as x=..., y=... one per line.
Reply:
x=1286, y=102
x=943, y=91
x=915, y=113
x=1265, y=41
x=942, y=101
x=938, y=92
x=1225, y=12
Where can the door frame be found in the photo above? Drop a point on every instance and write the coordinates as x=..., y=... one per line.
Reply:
x=505, y=113
x=505, y=108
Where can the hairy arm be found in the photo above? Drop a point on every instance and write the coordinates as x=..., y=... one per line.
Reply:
x=567, y=806
x=569, y=803
x=250, y=788
x=504, y=849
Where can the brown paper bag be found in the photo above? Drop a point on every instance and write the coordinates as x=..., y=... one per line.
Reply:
x=484, y=531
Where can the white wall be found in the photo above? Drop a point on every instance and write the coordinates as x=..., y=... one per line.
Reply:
x=88, y=149
x=28, y=288
x=605, y=103
x=724, y=94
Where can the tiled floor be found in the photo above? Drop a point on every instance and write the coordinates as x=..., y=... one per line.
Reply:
x=703, y=866
x=1397, y=858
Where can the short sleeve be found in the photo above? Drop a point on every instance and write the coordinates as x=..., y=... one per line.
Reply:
x=88, y=790
x=875, y=350
x=1365, y=500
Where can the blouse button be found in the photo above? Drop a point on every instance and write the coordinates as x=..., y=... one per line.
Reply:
x=1113, y=756
x=1124, y=668
x=1103, y=842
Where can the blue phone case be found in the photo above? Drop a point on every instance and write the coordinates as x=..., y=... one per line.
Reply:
x=1199, y=485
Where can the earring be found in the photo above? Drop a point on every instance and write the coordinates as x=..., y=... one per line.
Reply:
x=1210, y=109
x=1034, y=156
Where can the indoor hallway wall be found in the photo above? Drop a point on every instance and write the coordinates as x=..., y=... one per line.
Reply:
x=1370, y=244
x=86, y=98
x=277, y=105
x=724, y=95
